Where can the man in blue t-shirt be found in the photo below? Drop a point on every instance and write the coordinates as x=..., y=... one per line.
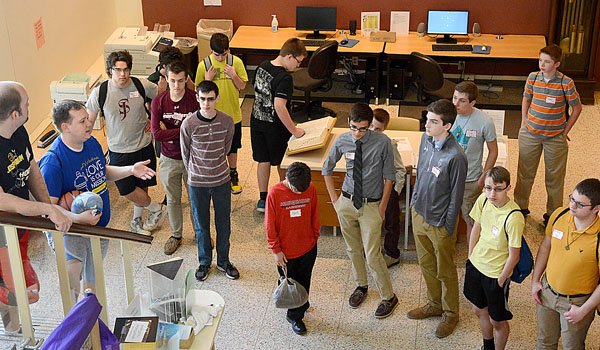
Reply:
x=75, y=161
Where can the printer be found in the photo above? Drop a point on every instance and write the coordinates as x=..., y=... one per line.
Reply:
x=141, y=44
x=75, y=86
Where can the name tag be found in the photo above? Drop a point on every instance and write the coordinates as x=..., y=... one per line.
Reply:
x=134, y=94
x=558, y=234
x=495, y=230
x=295, y=213
x=550, y=99
x=435, y=171
x=350, y=155
x=471, y=133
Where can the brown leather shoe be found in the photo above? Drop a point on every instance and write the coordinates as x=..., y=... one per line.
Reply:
x=386, y=307
x=171, y=245
x=357, y=297
x=425, y=311
x=446, y=326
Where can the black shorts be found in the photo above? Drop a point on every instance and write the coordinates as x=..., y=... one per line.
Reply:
x=483, y=292
x=236, y=143
x=269, y=144
x=128, y=184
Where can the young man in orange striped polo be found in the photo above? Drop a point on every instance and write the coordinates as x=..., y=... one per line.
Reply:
x=545, y=127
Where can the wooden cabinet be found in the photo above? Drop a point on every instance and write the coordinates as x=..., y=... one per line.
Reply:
x=326, y=212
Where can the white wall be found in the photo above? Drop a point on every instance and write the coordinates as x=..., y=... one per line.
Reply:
x=75, y=31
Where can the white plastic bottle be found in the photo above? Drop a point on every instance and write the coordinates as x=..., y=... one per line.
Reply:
x=274, y=24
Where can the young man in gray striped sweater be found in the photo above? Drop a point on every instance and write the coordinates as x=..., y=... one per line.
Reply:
x=205, y=141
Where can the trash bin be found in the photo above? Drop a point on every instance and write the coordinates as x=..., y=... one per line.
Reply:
x=206, y=28
x=190, y=54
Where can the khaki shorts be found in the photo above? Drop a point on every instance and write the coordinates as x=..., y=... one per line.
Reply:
x=472, y=192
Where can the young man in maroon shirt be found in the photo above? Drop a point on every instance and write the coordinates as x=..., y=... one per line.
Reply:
x=292, y=223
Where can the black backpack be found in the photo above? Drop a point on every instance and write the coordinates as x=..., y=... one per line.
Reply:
x=104, y=90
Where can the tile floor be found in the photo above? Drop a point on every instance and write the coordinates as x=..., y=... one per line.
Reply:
x=251, y=322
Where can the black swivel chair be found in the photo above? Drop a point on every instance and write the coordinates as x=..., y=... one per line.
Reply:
x=429, y=79
x=318, y=75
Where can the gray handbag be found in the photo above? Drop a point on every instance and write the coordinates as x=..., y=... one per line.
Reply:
x=289, y=294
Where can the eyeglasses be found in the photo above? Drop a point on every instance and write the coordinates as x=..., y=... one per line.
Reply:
x=121, y=70
x=495, y=189
x=354, y=128
x=209, y=99
x=299, y=62
x=579, y=205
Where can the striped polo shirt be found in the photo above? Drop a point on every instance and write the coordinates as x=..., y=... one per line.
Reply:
x=205, y=144
x=546, y=114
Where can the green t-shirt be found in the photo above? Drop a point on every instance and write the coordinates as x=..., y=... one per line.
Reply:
x=491, y=251
x=229, y=95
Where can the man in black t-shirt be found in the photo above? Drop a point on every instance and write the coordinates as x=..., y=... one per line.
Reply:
x=271, y=124
x=20, y=175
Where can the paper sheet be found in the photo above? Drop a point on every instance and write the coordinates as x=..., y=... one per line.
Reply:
x=399, y=22
x=369, y=22
x=136, y=332
x=212, y=3
x=403, y=144
x=498, y=119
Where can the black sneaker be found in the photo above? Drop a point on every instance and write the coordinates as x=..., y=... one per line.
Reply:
x=297, y=326
x=202, y=272
x=230, y=271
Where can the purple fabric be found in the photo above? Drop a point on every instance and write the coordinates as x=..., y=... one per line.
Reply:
x=107, y=338
x=77, y=325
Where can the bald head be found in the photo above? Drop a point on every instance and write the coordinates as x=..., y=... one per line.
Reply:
x=11, y=97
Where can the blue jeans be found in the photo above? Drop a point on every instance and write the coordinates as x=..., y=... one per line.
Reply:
x=200, y=204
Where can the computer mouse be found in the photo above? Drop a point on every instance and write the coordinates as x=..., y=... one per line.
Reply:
x=343, y=42
x=484, y=48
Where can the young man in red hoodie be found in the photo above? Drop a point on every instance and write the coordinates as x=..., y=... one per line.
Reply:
x=292, y=223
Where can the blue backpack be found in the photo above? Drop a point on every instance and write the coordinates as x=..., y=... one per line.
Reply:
x=525, y=264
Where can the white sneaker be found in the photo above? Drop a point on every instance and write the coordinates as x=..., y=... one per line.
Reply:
x=155, y=218
x=138, y=227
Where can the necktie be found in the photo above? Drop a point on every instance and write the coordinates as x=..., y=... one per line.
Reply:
x=357, y=176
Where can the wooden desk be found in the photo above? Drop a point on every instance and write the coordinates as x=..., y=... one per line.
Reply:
x=257, y=39
x=315, y=159
x=511, y=47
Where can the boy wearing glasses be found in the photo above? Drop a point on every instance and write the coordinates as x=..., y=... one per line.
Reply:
x=271, y=124
x=370, y=176
x=565, y=277
x=128, y=136
x=437, y=197
x=205, y=140
x=493, y=253
x=228, y=72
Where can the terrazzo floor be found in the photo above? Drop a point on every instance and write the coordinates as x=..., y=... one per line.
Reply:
x=250, y=320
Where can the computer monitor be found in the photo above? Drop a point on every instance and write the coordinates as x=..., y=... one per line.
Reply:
x=315, y=18
x=447, y=23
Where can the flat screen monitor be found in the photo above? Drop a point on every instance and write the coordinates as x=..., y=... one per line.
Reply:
x=447, y=23
x=315, y=18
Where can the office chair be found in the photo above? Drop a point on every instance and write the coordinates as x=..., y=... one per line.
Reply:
x=429, y=79
x=316, y=76
x=403, y=123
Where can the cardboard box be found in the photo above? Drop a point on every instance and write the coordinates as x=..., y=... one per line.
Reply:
x=206, y=28
x=388, y=37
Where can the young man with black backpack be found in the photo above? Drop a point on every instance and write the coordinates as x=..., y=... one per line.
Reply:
x=122, y=102
x=565, y=278
x=494, y=248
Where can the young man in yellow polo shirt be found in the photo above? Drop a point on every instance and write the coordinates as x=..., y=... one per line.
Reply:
x=493, y=253
x=565, y=278
x=229, y=73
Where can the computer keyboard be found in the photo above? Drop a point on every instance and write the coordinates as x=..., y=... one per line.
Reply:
x=313, y=42
x=444, y=47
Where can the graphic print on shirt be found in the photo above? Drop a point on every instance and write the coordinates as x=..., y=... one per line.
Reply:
x=91, y=174
x=177, y=118
x=20, y=175
x=124, y=108
x=263, y=107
